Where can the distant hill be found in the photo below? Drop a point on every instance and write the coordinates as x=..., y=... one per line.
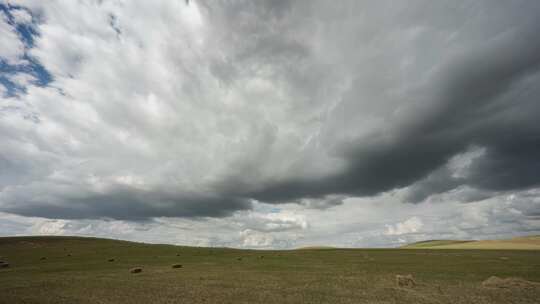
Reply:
x=518, y=243
x=434, y=243
x=315, y=247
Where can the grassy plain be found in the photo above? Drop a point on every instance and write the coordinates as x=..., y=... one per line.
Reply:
x=78, y=270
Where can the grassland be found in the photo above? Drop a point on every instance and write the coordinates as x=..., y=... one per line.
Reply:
x=77, y=270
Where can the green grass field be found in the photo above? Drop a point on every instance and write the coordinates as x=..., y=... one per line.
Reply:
x=77, y=270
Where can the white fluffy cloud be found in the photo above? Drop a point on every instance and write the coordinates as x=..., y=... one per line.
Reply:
x=412, y=225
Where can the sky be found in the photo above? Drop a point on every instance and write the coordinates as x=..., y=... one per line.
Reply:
x=270, y=124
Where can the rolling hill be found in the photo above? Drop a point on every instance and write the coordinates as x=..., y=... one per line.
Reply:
x=518, y=243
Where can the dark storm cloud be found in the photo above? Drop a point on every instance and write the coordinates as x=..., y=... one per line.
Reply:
x=124, y=203
x=486, y=96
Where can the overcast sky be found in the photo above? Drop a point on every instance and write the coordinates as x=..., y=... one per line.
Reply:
x=270, y=124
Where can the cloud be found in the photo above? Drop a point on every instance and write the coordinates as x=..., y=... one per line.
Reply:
x=359, y=222
x=55, y=227
x=274, y=222
x=412, y=225
x=12, y=48
x=21, y=16
x=137, y=110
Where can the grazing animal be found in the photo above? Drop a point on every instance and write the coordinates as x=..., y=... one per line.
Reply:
x=135, y=270
x=405, y=280
x=4, y=264
x=177, y=266
x=111, y=260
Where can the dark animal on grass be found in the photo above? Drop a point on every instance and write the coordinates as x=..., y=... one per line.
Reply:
x=135, y=270
x=405, y=280
x=4, y=264
x=43, y=258
x=110, y=260
x=177, y=266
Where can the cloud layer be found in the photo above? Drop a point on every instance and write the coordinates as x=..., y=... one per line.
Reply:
x=135, y=110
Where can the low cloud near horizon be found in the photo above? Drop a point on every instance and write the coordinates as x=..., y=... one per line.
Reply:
x=270, y=124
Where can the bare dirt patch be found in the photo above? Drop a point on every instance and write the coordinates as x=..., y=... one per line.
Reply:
x=405, y=281
x=509, y=283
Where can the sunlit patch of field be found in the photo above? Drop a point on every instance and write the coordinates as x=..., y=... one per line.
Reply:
x=518, y=243
x=87, y=270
